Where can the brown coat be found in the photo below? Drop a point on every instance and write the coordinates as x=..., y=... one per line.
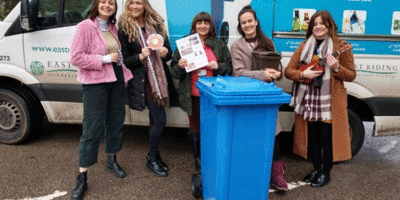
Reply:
x=340, y=125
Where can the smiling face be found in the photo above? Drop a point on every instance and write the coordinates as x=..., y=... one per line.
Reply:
x=106, y=9
x=203, y=28
x=320, y=31
x=248, y=24
x=137, y=8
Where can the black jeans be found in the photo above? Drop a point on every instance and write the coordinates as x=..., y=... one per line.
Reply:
x=320, y=146
x=103, y=111
x=158, y=119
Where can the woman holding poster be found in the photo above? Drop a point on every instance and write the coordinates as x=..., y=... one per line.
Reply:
x=321, y=122
x=253, y=38
x=146, y=51
x=219, y=63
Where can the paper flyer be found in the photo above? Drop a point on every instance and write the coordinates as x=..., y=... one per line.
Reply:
x=192, y=50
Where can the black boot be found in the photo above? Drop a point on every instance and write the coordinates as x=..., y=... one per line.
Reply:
x=163, y=165
x=113, y=167
x=195, y=139
x=80, y=187
x=154, y=166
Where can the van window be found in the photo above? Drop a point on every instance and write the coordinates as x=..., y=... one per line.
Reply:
x=48, y=12
x=75, y=11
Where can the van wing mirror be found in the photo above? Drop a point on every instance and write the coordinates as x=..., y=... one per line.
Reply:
x=26, y=17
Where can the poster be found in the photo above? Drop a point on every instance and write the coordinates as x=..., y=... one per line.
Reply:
x=354, y=21
x=396, y=23
x=301, y=19
x=192, y=50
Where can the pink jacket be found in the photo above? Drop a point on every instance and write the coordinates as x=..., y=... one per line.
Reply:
x=88, y=48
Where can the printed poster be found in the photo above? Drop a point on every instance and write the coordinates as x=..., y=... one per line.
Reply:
x=354, y=21
x=396, y=23
x=192, y=50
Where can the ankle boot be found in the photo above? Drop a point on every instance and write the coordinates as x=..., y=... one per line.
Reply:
x=277, y=180
x=80, y=187
x=163, y=165
x=113, y=167
x=154, y=166
x=195, y=139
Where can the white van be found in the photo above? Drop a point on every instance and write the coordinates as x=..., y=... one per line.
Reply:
x=37, y=79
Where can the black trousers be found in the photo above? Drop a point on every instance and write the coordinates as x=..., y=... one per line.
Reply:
x=103, y=112
x=320, y=146
x=158, y=119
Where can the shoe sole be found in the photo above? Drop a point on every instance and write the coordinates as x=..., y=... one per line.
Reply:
x=117, y=175
x=159, y=175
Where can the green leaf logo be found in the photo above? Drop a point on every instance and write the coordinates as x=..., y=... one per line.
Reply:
x=37, y=68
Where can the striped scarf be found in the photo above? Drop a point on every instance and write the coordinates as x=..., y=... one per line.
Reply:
x=312, y=102
x=158, y=67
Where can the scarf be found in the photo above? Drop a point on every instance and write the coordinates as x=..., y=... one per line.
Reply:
x=103, y=24
x=158, y=68
x=312, y=102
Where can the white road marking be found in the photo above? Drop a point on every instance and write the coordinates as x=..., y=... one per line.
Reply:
x=292, y=186
x=388, y=147
x=48, y=197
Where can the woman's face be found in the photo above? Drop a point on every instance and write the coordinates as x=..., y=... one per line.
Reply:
x=320, y=31
x=136, y=7
x=106, y=8
x=203, y=28
x=248, y=24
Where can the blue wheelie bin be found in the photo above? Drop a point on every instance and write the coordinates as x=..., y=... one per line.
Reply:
x=237, y=120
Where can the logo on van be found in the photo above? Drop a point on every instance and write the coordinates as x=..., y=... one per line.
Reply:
x=37, y=68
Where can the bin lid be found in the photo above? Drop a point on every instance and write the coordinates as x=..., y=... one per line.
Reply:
x=247, y=89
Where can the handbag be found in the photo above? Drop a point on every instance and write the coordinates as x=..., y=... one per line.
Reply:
x=267, y=59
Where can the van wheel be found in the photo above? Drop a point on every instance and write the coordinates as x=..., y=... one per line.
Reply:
x=16, y=117
x=357, y=132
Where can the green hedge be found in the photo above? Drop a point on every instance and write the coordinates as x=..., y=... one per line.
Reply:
x=6, y=6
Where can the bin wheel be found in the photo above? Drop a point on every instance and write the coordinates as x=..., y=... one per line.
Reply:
x=197, y=188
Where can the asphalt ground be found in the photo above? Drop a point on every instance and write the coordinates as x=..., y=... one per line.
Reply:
x=46, y=167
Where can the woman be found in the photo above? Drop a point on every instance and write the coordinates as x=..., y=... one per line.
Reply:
x=253, y=38
x=138, y=21
x=219, y=63
x=321, y=122
x=95, y=51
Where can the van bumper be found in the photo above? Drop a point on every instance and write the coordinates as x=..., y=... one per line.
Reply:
x=386, y=112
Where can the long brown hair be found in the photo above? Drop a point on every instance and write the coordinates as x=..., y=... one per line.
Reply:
x=204, y=16
x=128, y=25
x=263, y=42
x=94, y=12
x=328, y=21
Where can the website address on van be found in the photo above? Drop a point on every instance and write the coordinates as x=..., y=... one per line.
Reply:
x=51, y=49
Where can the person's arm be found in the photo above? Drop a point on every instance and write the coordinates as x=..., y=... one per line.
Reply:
x=168, y=46
x=291, y=71
x=225, y=61
x=80, y=45
x=130, y=53
x=346, y=70
x=239, y=65
x=176, y=71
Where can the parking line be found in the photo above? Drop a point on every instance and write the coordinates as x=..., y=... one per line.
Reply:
x=48, y=197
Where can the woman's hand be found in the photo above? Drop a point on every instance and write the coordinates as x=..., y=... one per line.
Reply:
x=162, y=51
x=272, y=74
x=145, y=53
x=332, y=61
x=311, y=74
x=213, y=65
x=182, y=63
x=114, y=57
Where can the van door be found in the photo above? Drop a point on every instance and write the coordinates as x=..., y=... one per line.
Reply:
x=47, y=53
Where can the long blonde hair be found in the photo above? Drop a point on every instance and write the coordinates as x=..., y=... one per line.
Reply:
x=129, y=25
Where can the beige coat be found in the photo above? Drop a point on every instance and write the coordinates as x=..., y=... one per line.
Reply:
x=241, y=53
x=340, y=124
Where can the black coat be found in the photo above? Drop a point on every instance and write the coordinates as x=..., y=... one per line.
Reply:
x=135, y=88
